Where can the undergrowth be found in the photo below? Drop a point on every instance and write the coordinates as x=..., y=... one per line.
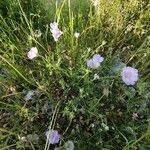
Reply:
x=93, y=108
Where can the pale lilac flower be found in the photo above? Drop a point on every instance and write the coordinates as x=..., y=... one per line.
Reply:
x=76, y=34
x=90, y=63
x=56, y=33
x=32, y=53
x=97, y=58
x=129, y=75
x=54, y=25
x=53, y=136
x=95, y=61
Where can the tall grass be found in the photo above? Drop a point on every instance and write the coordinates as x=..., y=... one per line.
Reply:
x=94, y=114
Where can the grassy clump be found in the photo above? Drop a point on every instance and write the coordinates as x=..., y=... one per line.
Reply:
x=101, y=113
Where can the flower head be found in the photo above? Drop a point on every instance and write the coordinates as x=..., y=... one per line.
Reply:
x=56, y=33
x=53, y=136
x=129, y=75
x=32, y=53
x=95, y=61
x=97, y=58
x=77, y=34
x=54, y=25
